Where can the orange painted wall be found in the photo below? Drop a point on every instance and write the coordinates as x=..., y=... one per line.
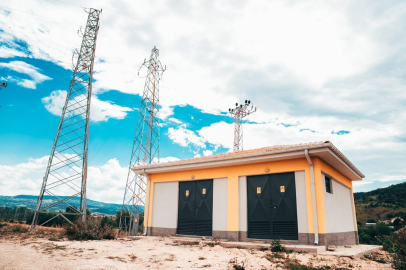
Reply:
x=233, y=172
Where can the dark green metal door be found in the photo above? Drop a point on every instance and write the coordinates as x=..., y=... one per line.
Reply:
x=272, y=212
x=195, y=210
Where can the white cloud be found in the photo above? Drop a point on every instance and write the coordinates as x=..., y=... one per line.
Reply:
x=362, y=183
x=175, y=120
x=185, y=137
x=168, y=159
x=105, y=183
x=207, y=153
x=27, y=69
x=6, y=52
x=392, y=178
x=99, y=110
x=55, y=101
x=197, y=155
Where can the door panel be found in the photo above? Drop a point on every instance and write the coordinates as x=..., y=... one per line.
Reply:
x=186, y=207
x=204, y=208
x=271, y=206
x=259, y=211
x=195, y=211
x=284, y=217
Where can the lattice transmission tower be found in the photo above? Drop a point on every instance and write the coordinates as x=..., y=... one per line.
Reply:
x=146, y=145
x=239, y=113
x=66, y=173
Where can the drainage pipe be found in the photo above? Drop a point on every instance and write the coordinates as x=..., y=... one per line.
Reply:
x=316, y=228
x=146, y=203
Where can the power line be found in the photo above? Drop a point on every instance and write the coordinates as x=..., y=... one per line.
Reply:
x=114, y=130
x=39, y=17
x=68, y=3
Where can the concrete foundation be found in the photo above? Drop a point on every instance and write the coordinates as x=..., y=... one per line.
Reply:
x=337, y=239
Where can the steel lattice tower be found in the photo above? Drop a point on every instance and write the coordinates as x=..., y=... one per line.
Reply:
x=239, y=113
x=66, y=172
x=146, y=145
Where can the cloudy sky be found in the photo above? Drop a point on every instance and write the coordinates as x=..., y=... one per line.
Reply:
x=316, y=70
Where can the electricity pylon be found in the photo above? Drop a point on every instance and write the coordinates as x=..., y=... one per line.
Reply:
x=66, y=172
x=239, y=113
x=145, y=148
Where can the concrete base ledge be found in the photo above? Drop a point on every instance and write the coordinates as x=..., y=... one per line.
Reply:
x=353, y=252
x=297, y=248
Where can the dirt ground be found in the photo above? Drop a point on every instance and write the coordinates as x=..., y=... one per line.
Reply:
x=48, y=249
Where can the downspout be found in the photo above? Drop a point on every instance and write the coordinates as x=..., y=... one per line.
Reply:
x=316, y=228
x=146, y=203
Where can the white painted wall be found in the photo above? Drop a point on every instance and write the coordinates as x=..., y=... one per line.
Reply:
x=338, y=208
x=301, y=202
x=165, y=205
x=220, y=204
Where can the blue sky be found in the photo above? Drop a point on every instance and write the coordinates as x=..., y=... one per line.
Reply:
x=316, y=71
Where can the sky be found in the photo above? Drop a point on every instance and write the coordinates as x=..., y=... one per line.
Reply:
x=315, y=70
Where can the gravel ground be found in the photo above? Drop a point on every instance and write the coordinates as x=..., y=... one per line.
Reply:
x=37, y=251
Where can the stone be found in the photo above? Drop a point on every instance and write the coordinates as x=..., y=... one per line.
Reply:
x=332, y=248
x=203, y=238
x=348, y=246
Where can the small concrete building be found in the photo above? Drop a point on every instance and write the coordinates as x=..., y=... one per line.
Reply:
x=301, y=194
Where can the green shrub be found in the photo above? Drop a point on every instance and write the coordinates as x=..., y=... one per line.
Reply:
x=20, y=229
x=91, y=229
x=382, y=229
x=396, y=246
x=370, y=220
x=276, y=246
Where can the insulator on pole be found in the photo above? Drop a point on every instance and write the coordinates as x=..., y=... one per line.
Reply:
x=239, y=113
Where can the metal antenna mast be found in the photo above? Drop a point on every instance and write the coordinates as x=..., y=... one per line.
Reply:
x=146, y=145
x=66, y=172
x=239, y=113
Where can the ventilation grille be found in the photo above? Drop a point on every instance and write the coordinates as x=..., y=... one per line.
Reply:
x=203, y=227
x=286, y=230
x=260, y=229
x=186, y=227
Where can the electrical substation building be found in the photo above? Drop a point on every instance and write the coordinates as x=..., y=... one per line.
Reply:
x=300, y=194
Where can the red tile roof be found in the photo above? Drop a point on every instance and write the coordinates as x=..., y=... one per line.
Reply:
x=246, y=152
x=254, y=152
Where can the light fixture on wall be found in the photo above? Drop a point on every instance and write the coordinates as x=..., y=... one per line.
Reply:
x=193, y=177
x=266, y=170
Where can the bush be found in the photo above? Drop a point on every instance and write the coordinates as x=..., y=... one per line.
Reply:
x=91, y=229
x=382, y=229
x=20, y=229
x=396, y=246
x=370, y=220
x=276, y=246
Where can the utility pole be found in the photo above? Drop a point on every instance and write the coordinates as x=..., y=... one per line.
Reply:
x=145, y=147
x=66, y=173
x=239, y=113
x=3, y=85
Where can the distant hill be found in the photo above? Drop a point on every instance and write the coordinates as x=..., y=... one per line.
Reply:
x=381, y=204
x=30, y=201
